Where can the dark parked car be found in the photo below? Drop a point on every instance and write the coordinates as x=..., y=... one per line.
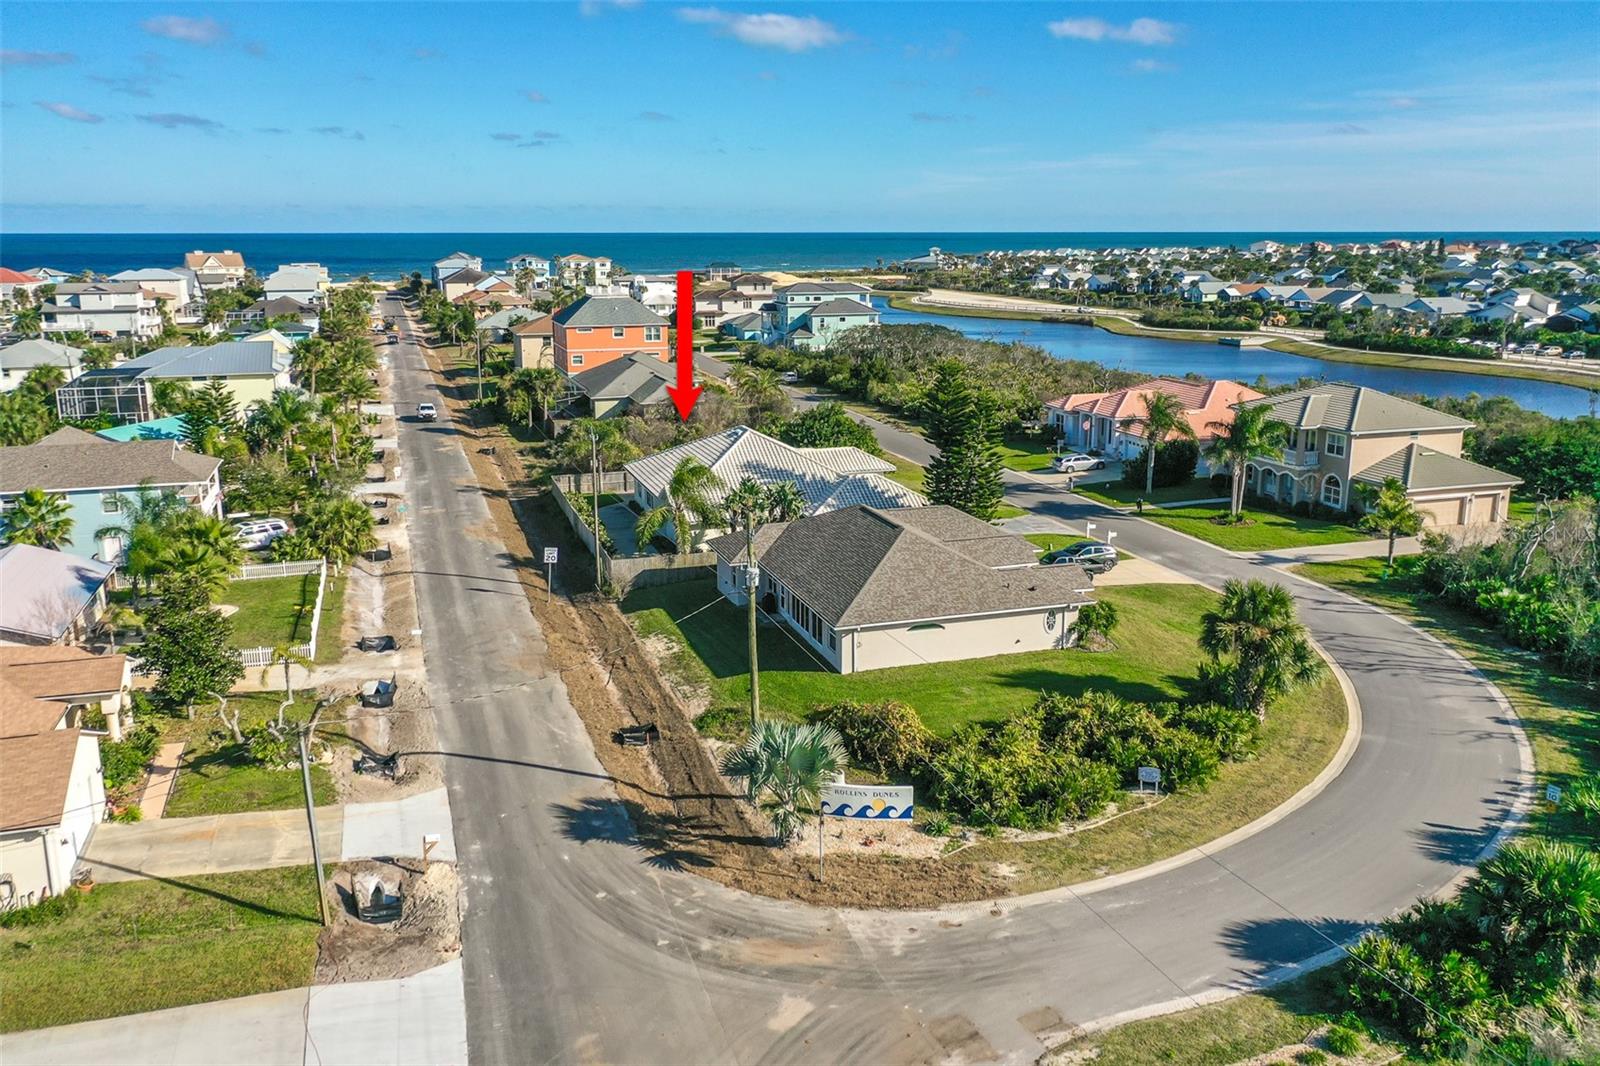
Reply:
x=1096, y=557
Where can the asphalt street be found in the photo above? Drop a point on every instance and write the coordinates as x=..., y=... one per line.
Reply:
x=579, y=946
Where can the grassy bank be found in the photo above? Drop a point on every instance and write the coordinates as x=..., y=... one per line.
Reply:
x=1117, y=494
x=148, y=945
x=1266, y=531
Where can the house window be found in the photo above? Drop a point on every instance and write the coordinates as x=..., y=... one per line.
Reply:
x=576, y=360
x=833, y=641
x=652, y=333
x=1332, y=491
x=619, y=332
x=584, y=329
x=923, y=627
x=1334, y=444
x=110, y=503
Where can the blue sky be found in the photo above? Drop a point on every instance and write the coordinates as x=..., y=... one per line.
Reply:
x=608, y=115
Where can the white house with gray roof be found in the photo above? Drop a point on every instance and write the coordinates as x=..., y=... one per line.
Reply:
x=810, y=314
x=103, y=309
x=867, y=588
x=16, y=360
x=828, y=478
x=1339, y=437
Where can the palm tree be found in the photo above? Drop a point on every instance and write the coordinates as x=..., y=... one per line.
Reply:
x=39, y=518
x=1537, y=903
x=285, y=656
x=577, y=450
x=340, y=528
x=1251, y=433
x=1260, y=650
x=784, y=767
x=28, y=321
x=43, y=381
x=143, y=520
x=275, y=423
x=784, y=502
x=1390, y=512
x=310, y=356
x=691, y=497
x=1164, y=417
x=757, y=386
x=196, y=562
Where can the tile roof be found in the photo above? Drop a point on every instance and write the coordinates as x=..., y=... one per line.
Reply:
x=196, y=260
x=608, y=311
x=59, y=675
x=464, y=276
x=1420, y=469
x=862, y=566
x=33, y=790
x=1356, y=409
x=1203, y=401
x=743, y=452
x=535, y=327
x=17, y=277
x=46, y=590
x=67, y=465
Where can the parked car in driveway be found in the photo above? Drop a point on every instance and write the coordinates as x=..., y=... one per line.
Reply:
x=1076, y=464
x=1095, y=556
x=427, y=413
x=790, y=377
x=260, y=532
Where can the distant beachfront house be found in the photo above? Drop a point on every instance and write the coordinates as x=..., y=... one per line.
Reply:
x=460, y=281
x=536, y=263
x=919, y=264
x=216, y=270
x=721, y=271
x=102, y=309
x=584, y=270
x=172, y=287
x=276, y=307
x=451, y=263
x=15, y=281
x=305, y=282
x=93, y=475
x=658, y=292
x=811, y=314
x=17, y=360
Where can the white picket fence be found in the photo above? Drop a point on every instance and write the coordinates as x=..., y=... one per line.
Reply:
x=263, y=656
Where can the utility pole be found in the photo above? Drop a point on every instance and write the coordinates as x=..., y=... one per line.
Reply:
x=478, y=336
x=752, y=582
x=311, y=820
x=594, y=488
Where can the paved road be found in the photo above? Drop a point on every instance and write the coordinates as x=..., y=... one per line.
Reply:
x=580, y=947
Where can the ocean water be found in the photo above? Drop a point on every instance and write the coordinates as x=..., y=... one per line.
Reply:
x=391, y=255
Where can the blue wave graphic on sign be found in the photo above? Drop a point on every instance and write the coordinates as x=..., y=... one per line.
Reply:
x=866, y=810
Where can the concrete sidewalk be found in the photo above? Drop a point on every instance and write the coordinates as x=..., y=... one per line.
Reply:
x=420, y=1019
x=1331, y=553
x=221, y=843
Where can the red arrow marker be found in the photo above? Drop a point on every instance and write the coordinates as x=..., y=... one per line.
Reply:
x=685, y=392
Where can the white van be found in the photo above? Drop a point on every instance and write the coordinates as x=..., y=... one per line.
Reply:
x=260, y=533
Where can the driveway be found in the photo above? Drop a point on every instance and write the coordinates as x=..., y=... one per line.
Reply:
x=579, y=946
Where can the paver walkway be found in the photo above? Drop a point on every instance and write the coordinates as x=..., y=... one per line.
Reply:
x=158, y=786
x=417, y=1019
x=221, y=843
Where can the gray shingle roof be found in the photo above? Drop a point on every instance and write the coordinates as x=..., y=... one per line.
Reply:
x=841, y=307
x=1420, y=468
x=862, y=566
x=73, y=288
x=227, y=359
x=67, y=464
x=27, y=354
x=1356, y=409
x=741, y=452
x=637, y=376
x=608, y=311
x=818, y=287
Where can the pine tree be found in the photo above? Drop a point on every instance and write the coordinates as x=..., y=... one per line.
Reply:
x=961, y=423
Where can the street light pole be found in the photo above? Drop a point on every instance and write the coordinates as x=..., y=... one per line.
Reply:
x=311, y=820
x=752, y=582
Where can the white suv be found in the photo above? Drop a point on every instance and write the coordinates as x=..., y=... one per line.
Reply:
x=260, y=533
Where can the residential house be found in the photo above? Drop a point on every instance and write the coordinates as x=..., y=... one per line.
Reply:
x=450, y=264
x=536, y=263
x=251, y=370
x=867, y=588
x=1584, y=316
x=1264, y=248
x=102, y=309
x=305, y=282
x=16, y=360
x=216, y=270
x=534, y=342
x=51, y=597
x=1514, y=313
x=1204, y=292
x=173, y=288
x=828, y=478
x=460, y=282
x=1532, y=299
x=746, y=327
x=15, y=281
x=597, y=329
x=78, y=681
x=1340, y=436
x=721, y=271
x=52, y=796
x=752, y=285
x=584, y=270
x=1433, y=308
x=658, y=292
x=632, y=384
x=274, y=308
x=49, y=275
x=1108, y=422
x=810, y=314
x=283, y=337
x=918, y=264
x=95, y=475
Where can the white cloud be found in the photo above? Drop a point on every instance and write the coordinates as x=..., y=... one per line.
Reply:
x=591, y=8
x=67, y=111
x=178, y=120
x=1140, y=31
x=10, y=57
x=791, y=33
x=535, y=96
x=190, y=31
x=1149, y=66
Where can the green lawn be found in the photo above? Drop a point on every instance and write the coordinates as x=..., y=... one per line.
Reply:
x=913, y=476
x=148, y=945
x=215, y=777
x=1156, y=653
x=329, y=648
x=1266, y=530
x=1557, y=713
x=1026, y=455
x=272, y=610
x=1119, y=495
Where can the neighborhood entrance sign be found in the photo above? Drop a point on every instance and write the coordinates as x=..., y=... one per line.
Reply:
x=884, y=802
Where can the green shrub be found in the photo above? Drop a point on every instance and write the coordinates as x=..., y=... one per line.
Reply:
x=1344, y=1042
x=887, y=736
x=1176, y=461
x=269, y=748
x=123, y=762
x=1186, y=761
x=129, y=814
x=1235, y=733
x=1311, y=1057
x=50, y=909
x=1009, y=776
x=937, y=825
x=1583, y=797
x=723, y=723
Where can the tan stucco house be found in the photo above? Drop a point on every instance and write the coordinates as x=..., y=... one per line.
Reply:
x=866, y=588
x=1342, y=436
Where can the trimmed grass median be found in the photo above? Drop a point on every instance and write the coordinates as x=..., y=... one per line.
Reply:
x=148, y=945
x=1262, y=530
x=1117, y=494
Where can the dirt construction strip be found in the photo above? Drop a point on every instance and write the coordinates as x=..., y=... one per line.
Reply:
x=681, y=807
